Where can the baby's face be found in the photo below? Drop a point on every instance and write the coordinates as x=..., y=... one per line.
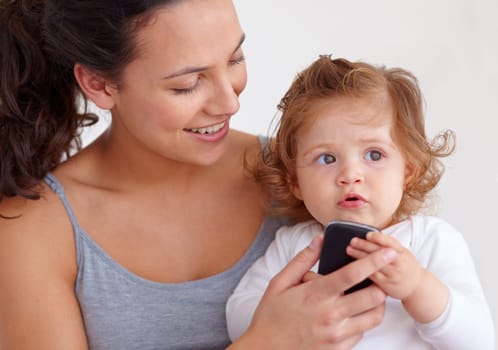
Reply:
x=348, y=166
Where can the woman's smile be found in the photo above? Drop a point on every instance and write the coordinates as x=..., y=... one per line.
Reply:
x=208, y=129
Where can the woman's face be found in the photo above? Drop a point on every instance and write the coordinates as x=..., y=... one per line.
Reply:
x=176, y=98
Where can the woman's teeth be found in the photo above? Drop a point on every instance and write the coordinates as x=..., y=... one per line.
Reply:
x=209, y=129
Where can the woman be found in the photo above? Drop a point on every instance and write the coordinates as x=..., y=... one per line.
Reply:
x=136, y=241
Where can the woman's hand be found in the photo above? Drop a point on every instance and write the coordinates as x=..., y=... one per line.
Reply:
x=302, y=310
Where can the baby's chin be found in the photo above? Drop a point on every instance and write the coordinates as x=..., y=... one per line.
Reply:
x=379, y=223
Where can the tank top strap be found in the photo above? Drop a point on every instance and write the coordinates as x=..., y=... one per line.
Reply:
x=57, y=188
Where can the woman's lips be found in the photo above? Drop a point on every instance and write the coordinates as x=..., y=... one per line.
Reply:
x=212, y=133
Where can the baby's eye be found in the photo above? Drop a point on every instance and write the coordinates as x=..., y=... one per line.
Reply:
x=373, y=155
x=326, y=158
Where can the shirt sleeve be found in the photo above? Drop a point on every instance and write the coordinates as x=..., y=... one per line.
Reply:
x=466, y=322
x=246, y=296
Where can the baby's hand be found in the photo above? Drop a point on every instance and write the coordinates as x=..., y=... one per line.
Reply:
x=401, y=277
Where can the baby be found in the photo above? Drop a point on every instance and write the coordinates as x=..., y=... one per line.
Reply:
x=351, y=145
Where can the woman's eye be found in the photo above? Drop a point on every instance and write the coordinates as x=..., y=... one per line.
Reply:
x=325, y=159
x=237, y=60
x=184, y=91
x=373, y=155
x=187, y=90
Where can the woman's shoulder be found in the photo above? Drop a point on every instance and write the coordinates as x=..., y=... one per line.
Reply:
x=33, y=230
x=20, y=212
x=37, y=271
x=248, y=145
x=247, y=140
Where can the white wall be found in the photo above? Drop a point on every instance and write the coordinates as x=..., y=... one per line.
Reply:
x=450, y=45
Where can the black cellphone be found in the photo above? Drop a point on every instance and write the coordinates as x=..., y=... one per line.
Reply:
x=337, y=236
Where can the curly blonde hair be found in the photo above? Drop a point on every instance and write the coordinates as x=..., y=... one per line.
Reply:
x=327, y=79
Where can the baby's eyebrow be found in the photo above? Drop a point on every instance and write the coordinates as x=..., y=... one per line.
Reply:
x=319, y=147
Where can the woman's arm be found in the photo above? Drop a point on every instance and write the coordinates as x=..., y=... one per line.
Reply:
x=37, y=267
x=315, y=314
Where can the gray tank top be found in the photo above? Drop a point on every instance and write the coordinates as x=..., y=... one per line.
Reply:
x=123, y=311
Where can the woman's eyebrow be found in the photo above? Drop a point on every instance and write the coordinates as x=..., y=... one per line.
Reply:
x=190, y=70
x=241, y=41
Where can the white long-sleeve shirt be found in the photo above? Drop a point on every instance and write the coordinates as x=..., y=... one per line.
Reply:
x=465, y=324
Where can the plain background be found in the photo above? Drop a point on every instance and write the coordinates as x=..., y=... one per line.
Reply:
x=450, y=45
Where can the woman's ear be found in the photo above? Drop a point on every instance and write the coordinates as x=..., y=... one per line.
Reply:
x=94, y=86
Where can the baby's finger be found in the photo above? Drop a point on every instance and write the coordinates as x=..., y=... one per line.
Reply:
x=383, y=274
x=310, y=275
x=364, y=245
x=383, y=240
x=355, y=253
x=355, y=272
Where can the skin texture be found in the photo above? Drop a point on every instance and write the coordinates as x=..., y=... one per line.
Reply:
x=131, y=187
x=347, y=152
x=336, y=321
x=347, y=158
x=422, y=294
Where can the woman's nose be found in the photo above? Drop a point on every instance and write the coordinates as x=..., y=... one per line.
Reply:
x=225, y=98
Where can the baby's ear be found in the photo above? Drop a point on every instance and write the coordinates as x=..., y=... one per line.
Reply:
x=409, y=173
x=95, y=87
x=296, y=190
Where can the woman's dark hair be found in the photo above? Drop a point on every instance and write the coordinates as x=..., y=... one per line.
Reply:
x=40, y=42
